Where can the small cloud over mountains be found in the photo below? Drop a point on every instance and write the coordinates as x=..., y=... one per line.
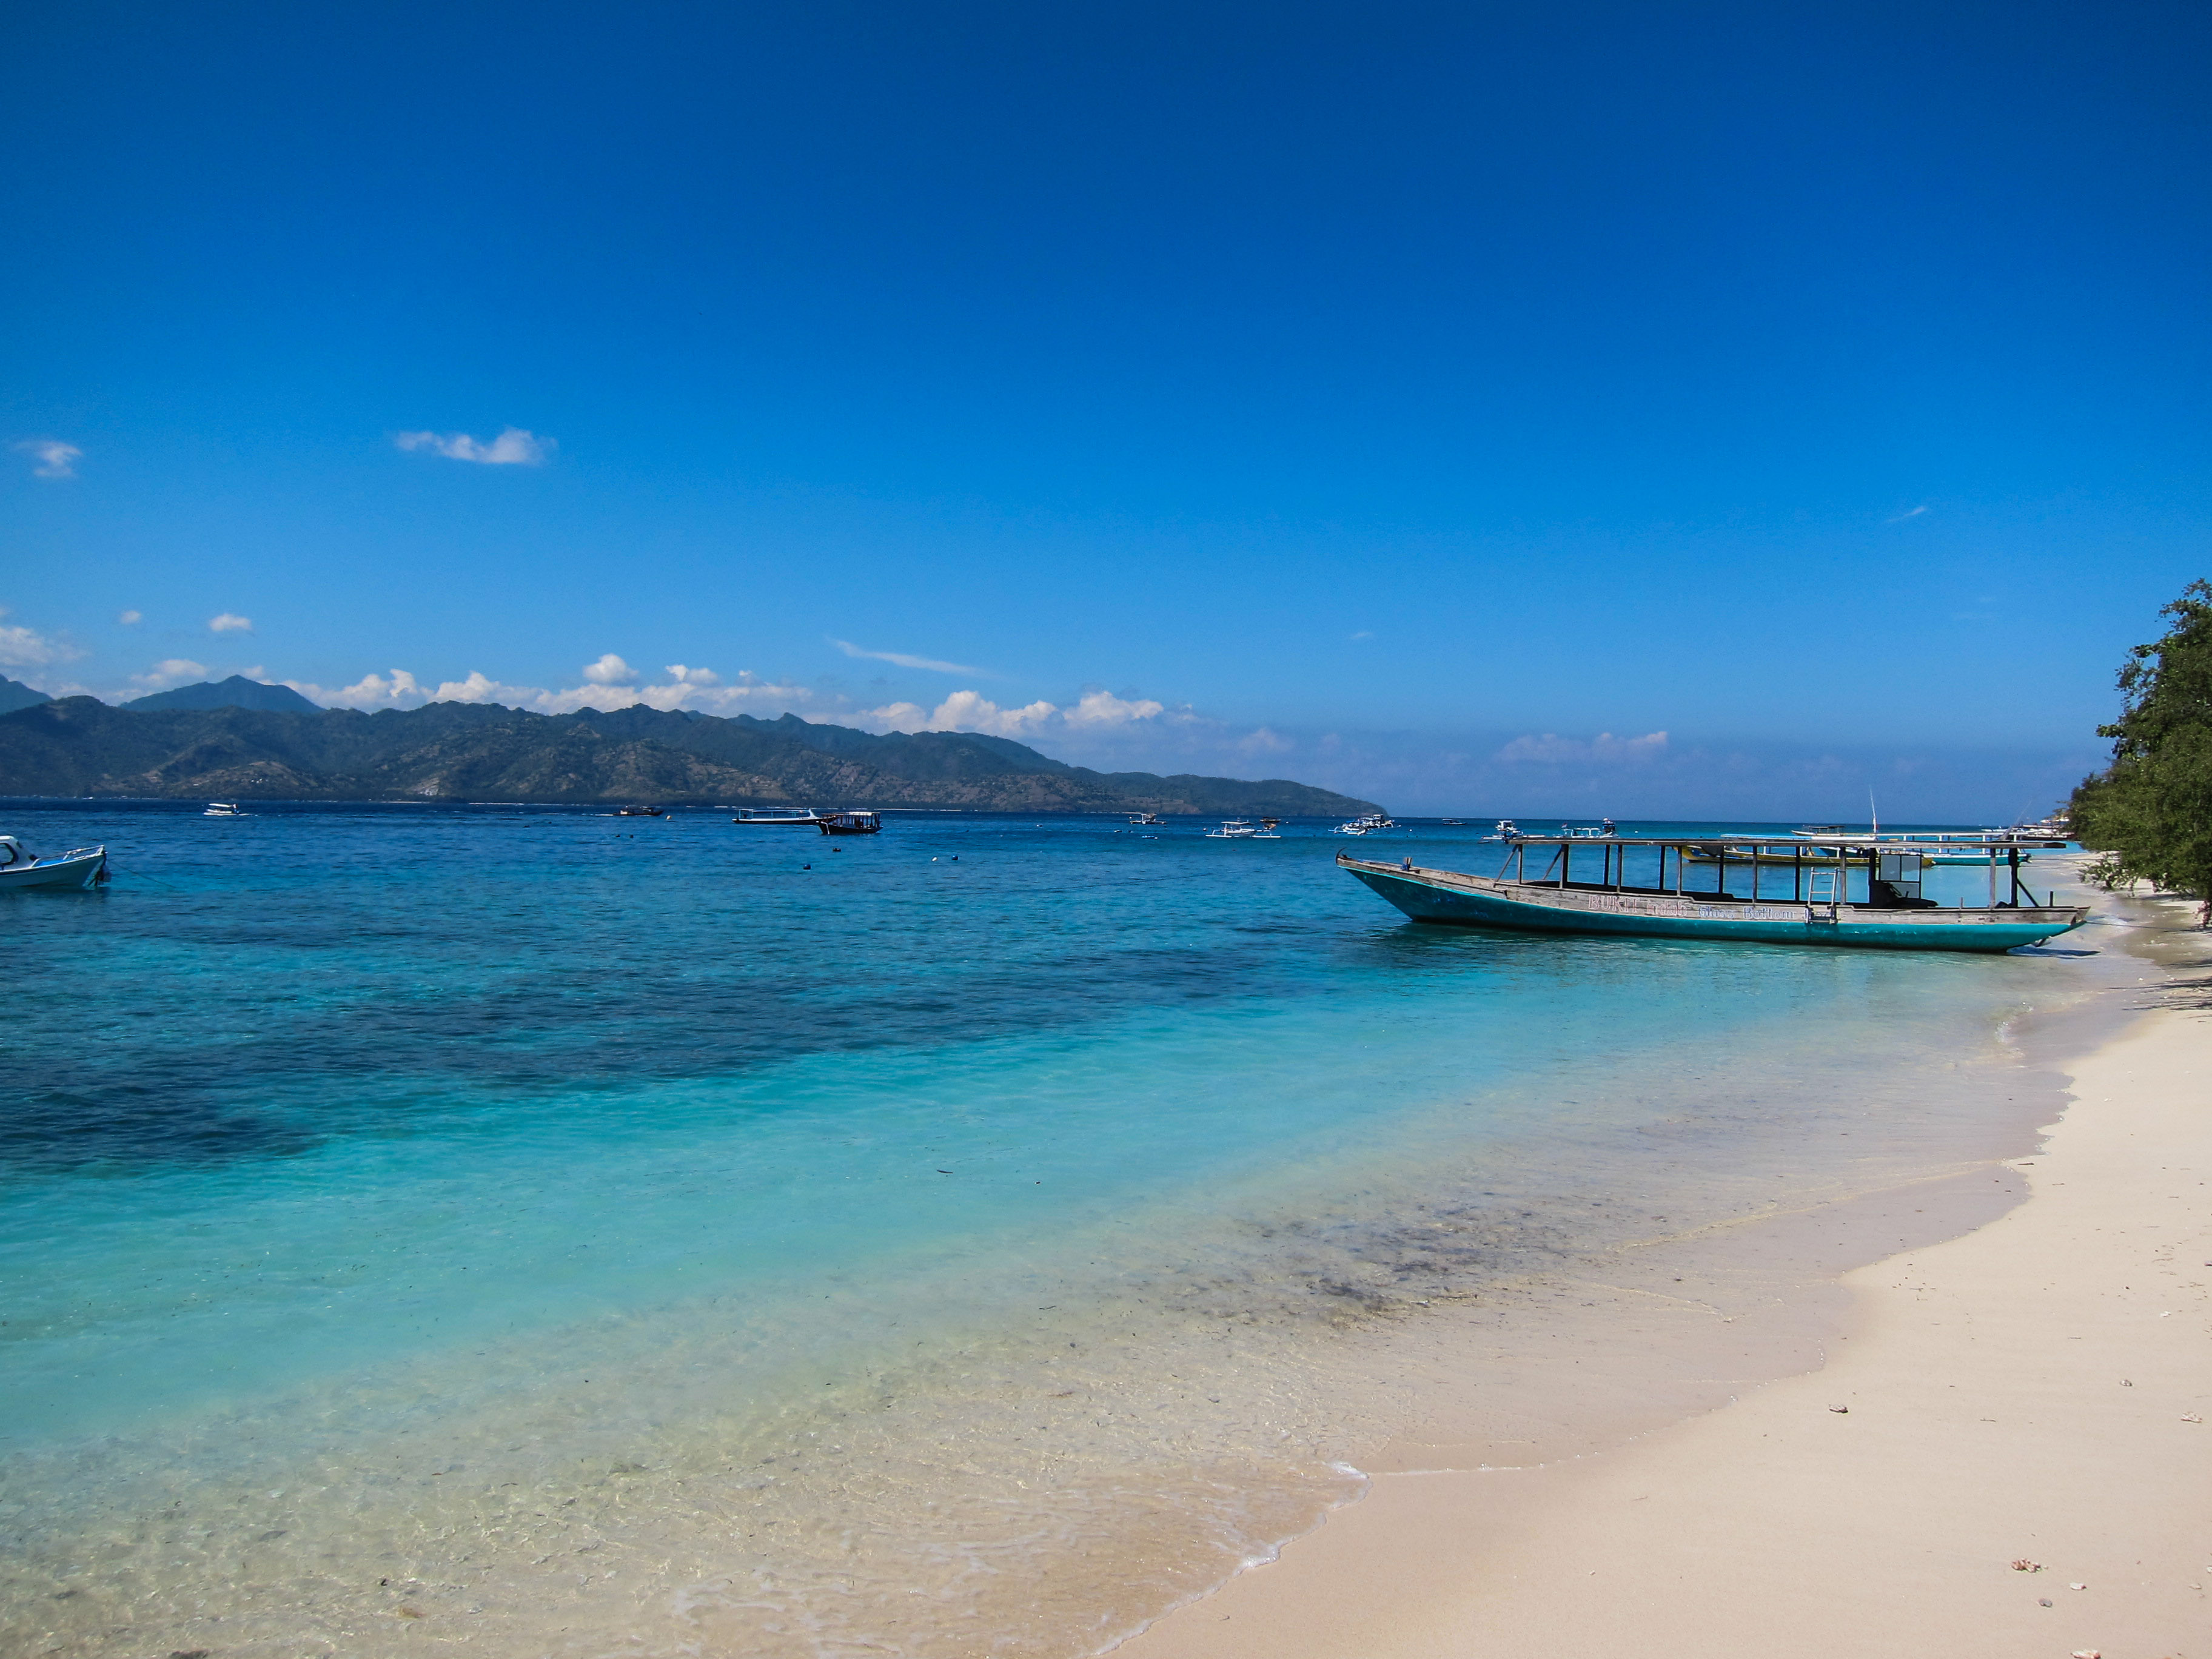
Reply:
x=513, y=447
x=173, y=670
x=55, y=459
x=26, y=647
x=971, y=711
x=610, y=669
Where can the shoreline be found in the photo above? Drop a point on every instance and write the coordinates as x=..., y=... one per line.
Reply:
x=2009, y=1394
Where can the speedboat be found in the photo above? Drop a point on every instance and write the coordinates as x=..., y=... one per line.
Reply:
x=850, y=823
x=224, y=809
x=1366, y=824
x=81, y=866
x=784, y=818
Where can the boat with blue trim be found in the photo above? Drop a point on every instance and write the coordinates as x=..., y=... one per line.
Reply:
x=1842, y=892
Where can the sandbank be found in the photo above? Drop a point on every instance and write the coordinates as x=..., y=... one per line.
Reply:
x=2029, y=1392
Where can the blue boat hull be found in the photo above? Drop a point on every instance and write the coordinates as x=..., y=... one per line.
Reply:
x=1444, y=896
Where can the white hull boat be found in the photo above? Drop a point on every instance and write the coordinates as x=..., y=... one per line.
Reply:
x=81, y=866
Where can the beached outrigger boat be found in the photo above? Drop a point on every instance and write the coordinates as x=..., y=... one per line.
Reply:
x=1641, y=889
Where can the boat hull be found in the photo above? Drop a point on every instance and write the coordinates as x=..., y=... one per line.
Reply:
x=1450, y=897
x=80, y=870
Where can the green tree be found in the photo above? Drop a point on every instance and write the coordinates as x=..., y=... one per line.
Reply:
x=2151, y=809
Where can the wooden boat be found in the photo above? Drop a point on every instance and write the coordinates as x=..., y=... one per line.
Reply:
x=784, y=818
x=1634, y=894
x=641, y=813
x=849, y=824
x=81, y=866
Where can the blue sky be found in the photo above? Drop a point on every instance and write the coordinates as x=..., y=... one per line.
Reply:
x=1606, y=408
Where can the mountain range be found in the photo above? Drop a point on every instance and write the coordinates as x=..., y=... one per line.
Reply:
x=79, y=746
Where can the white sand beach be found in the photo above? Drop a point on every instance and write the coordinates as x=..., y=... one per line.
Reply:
x=2033, y=1392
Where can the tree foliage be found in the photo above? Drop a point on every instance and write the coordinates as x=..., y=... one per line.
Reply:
x=2151, y=809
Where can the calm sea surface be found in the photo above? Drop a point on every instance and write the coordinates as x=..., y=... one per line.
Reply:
x=556, y=1233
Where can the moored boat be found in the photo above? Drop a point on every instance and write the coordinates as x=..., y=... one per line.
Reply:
x=786, y=818
x=81, y=866
x=224, y=809
x=641, y=813
x=850, y=823
x=1634, y=894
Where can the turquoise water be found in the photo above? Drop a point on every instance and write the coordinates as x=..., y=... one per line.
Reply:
x=562, y=1150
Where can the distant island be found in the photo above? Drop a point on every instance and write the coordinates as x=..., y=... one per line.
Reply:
x=198, y=742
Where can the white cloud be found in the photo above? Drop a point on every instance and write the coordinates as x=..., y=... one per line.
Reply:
x=1912, y=512
x=131, y=618
x=230, y=623
x=1554, y=750
x=1104, y=709
x=963, y=711
x=695, y=688
x=26, y=647
x=683, y=676
x=56, y=460
x=1365, y=634
x=401, y=690
x=905, y=661
x=513, y=447
x=610, y=669
x=173, y=671
x=1262, y=741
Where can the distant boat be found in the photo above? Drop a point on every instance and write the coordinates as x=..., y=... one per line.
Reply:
x=1143, y=818
x=1819, y=910
x=1506, y=830
x=784, y=818
x=225, y=809
x=81, y=866
x=850, y=823
x=1455, y=823
x=1243, y=830
x=640, y=812
x=1366, y=824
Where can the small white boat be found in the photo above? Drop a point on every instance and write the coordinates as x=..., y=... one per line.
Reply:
x=1233, y=830
x=786, y=818
x=225, y=809
x=1143, y=818
x=1366, y=824
x=81, y=866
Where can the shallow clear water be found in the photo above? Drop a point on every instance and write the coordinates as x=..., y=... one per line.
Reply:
x=428, y=1195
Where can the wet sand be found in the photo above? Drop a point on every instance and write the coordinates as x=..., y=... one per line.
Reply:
x=2027, y=1392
